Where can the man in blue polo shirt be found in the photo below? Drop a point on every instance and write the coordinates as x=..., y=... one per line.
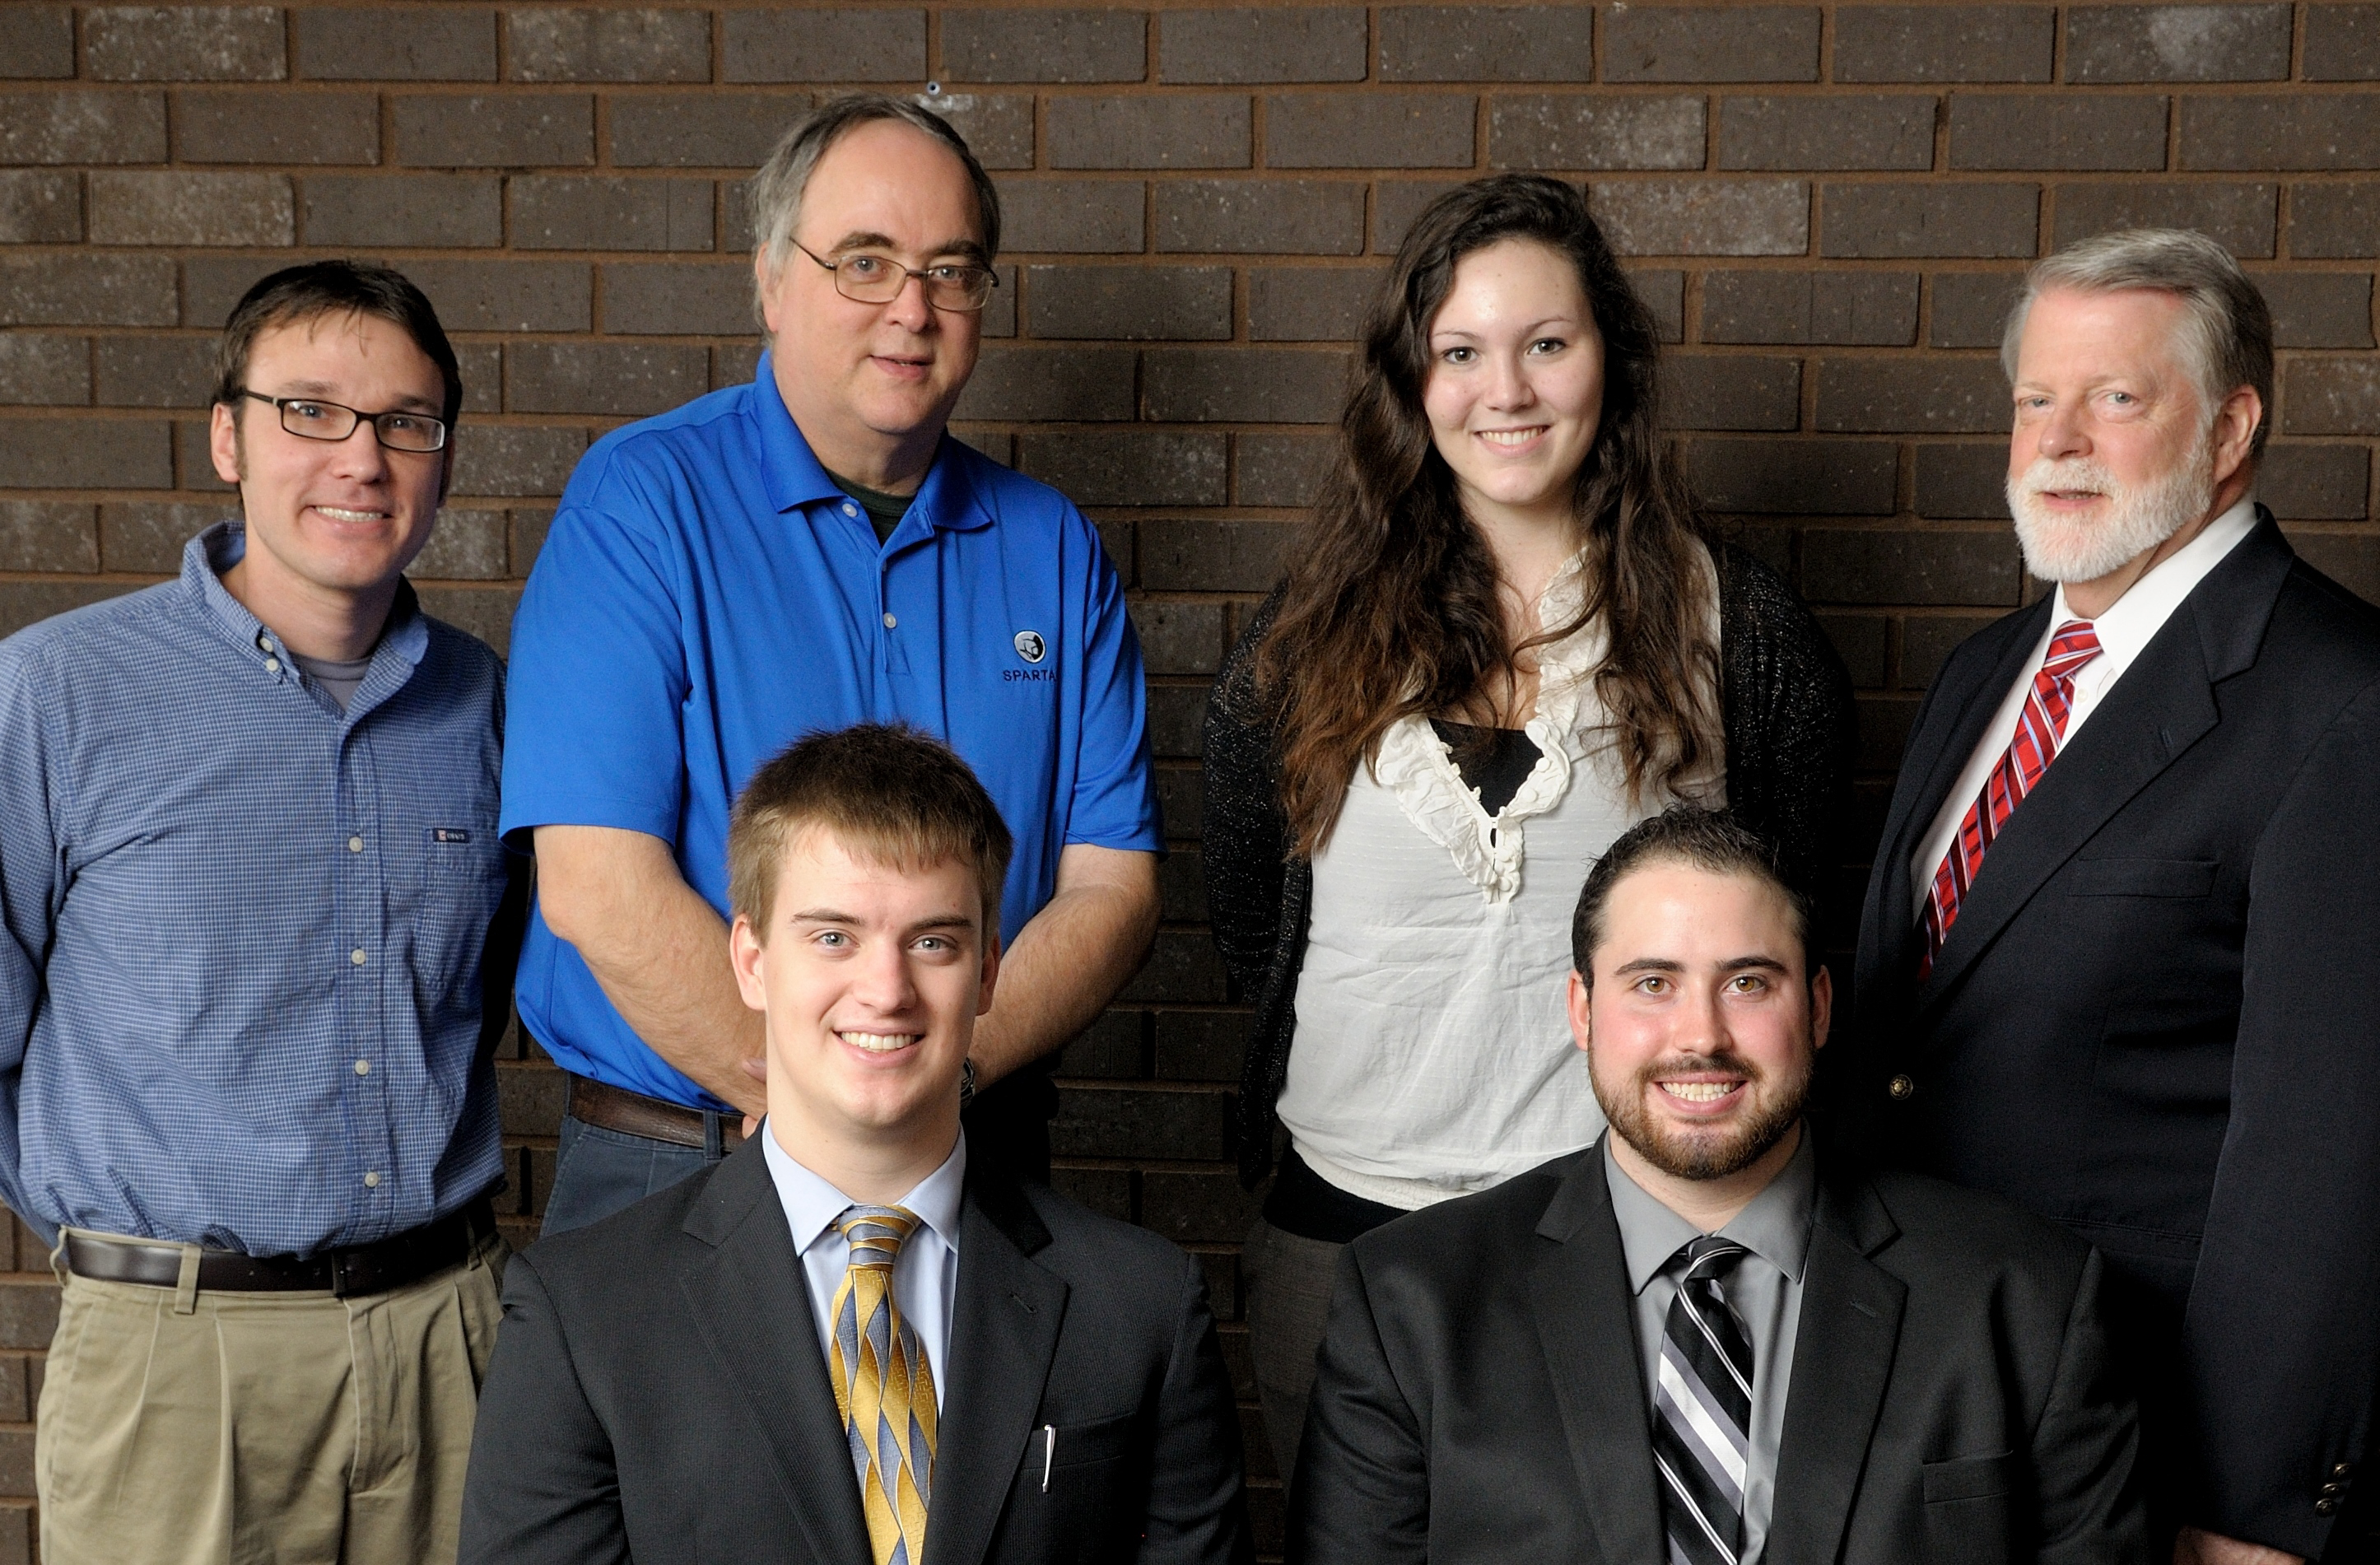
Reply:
x=805, y=553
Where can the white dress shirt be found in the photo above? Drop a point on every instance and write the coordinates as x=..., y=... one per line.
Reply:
x=2130, y=624
x=926, y=1274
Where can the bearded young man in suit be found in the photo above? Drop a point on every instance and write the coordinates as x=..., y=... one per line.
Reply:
x=1701, y=1340
x=843, y=1343
x=2120, y=955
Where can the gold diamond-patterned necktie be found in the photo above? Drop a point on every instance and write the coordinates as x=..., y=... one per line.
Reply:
x=883, y=1386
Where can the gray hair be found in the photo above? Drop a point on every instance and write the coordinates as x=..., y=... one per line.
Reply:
x=2226, y=331
x=777, y=186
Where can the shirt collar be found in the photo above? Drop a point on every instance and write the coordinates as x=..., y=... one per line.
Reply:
x=947, y=500
x=812, y=1205
x=1775, y=1225
x=223, y=545
x=2134, y=619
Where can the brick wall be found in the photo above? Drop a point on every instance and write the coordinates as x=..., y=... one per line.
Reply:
x=1825, y=204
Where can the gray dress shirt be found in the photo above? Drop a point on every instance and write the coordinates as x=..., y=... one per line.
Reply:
x=1765, y=1289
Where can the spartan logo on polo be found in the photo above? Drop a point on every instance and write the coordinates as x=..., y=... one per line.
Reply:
x=1032, y=648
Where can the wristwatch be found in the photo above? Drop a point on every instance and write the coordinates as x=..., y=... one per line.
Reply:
x=967, y=1083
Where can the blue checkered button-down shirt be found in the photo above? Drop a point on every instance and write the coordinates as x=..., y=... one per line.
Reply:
x=243, y=933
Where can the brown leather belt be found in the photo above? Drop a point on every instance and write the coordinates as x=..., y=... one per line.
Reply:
x=632, y=1113
x=358, y=1269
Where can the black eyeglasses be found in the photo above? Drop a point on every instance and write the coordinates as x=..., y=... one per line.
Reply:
x=864, y=278
x=314, y=419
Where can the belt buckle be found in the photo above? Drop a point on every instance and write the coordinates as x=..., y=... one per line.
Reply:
x=341, y=1284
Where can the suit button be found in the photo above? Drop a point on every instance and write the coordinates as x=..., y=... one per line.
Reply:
x=1900, y=1086
x=2342, y=1470
x=2324, y=1507
x=2330, y=1491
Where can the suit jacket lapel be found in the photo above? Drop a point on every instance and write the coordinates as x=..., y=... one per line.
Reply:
x=1578, y=1286
x=1842, y=1361
x=752, y=1308
x=1003, y=1334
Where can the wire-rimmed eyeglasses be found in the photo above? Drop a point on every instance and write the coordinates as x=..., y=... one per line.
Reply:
x=313, y=418
x=866, y=277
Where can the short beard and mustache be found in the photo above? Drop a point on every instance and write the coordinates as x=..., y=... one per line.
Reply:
x=1719, y=1150
x=2143, y=516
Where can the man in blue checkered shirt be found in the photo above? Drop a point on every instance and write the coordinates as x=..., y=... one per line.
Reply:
x=256, y=936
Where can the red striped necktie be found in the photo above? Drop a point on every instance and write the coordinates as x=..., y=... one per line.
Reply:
x=2039, y=729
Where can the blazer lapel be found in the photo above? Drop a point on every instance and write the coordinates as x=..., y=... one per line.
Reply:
x=1842, y=1361
x=1004, y=1333
x=752, y=1308
x=1578, y=1286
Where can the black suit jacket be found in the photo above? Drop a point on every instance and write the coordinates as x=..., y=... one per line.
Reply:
x=658, y=1393
x=2157, y=1020
x=1481, y=1395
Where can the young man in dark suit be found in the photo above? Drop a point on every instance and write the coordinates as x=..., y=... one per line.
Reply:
x=1701, y=1341
x=2120, y=957
x=841, y=1343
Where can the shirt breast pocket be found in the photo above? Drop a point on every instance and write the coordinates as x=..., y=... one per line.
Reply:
x=2173, y=879
x=465, y=852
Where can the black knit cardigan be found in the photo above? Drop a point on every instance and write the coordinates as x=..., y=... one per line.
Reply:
x=1785, y=714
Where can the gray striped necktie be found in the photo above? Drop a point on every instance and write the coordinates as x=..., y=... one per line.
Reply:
x=1702, y=1411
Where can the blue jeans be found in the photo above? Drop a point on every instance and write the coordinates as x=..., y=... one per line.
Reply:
x=599, y=1172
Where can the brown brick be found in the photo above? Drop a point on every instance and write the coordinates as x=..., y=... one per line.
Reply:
x=1141, y=1123
x=809, y=45
x=1933, y=567
x=29, y=1312
x=624, y=379
x=1131, y=303
x=1841, y=478
x=2319, y=309
x=1067, y=385
x=2351, y=559
x=496, y=460
x=1663, y=291
x=1706, y=216
x=1261, y=216
x=2010, y=130
x=38, y=41
x=1873, y=308
x=1962, y=482
x=38, y=207
x=2335, y=222
x=463, y=210
x=1804, y=132
x=1945, y=43
x=2306, y=130
x=41, y=369
x=1578, y=130
x=505, y=295
x=1134, y=468
x=1395, y=204
x=1000, y=314
x=465, y=545
x=1073, y=216
x=1714, y=391
x=1044, y=46
x=166, y=371
x=46, y=534
x=2177, y=43
x=1923, y=395
x=1178, y=637
x=1280, y=469
x=492, y=131
x=674, y=298
x=1368, y=131
x=1218, y=556
x=1308, y=304
x=1710, y=44
x=997, y=126
x=2342, y=43
x=1927, y=641
x=1487, y=43
x=1266, y=44
x=1186, y=131
x=1243, y=385
x=529, y=1095
x=1181, y=798
x=1192, y=1209
x=194, y=464
x=245, y=125
x=1110, y=1049
x=192, y=209
x=2312, y=483
x=397, y=43
x=62, y=125
x=29, y=602
x=701, y=130
x=2331, y=396
x=213, y=285
x=561, y=212
x=1859, y=640
x=2241, y=217
x=1969, y=308
x=589, y=45
x=85, y=453
x=184, y=44
x=1930, y=219
x=87, y=290
x=481, y=366
x=1200, y=1046
x=484, y=611
x=530, y=527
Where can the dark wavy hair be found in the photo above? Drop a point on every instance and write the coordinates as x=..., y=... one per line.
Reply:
x=1390, y=609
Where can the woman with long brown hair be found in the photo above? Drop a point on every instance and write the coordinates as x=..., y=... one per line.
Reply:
x=1508, y=636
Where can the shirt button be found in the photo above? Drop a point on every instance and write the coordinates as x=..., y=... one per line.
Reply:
x=371, y=1180
x=1900, y=1086
x=354, y=844
x=357, y=956
x=849, y=509
x=363, y=1067
x=273, y=665
x=890, y=622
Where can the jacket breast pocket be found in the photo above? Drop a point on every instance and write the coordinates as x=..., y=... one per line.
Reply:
x=1967, y=1510
x=1080, y=1492
x=2139, y=878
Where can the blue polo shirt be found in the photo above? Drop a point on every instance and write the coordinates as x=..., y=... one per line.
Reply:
x=707, y=595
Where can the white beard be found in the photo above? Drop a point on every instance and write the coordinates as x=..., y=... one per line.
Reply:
x=2140, y=516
